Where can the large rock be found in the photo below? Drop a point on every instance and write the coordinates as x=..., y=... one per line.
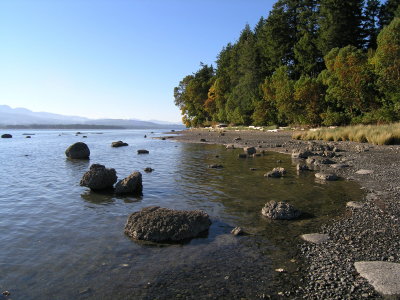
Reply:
x=118, y=144
x=276, y=173
x=382, y=275
x=99, y=177
x=280, y=211
x=130, y=185
x=6, y=136
x=158, y=224
x=78, y=150
x=249, y=150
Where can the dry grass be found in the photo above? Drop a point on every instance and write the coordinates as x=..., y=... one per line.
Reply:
x=373, y=134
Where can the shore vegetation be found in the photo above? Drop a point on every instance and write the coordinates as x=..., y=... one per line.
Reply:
x=309, y=62
x=374, y=134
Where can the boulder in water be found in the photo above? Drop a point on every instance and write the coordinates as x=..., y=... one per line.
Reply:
x=6, y=136
x=143, y=151
x=118, y=144
x=280, y=211
x=158, y=224
x=78, y=150
x=99, y=177
x=130, y=185
x=276, y=173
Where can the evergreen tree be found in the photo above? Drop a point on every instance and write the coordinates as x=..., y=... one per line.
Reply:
x=371, y=23
x=388, y=12
x=340, y=24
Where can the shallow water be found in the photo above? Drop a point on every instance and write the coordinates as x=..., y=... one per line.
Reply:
x=61, y=241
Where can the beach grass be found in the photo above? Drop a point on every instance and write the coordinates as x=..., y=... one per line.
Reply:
x=388, y=134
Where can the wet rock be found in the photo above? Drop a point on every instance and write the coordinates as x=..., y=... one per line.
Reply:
x=6, y=293
x=215, y=166
x=382, y=275
x=280, y=211
x=301, y=154
x=142, y=151
x=158, y=224
x=300, y=167
x=130, y=185
x=148, y=170
x=315, y=238
x=326, y=176
x=28, y=137
x=250, y=150
x=99, y=177
x=78, y=150
x=237, y=231
x=276, y=173
x=118, y=144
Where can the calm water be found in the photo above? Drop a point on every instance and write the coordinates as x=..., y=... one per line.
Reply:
x=58, y=240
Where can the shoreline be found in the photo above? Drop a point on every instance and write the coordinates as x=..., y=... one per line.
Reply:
x=370, y=233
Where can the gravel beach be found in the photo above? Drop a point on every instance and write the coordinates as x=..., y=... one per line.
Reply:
x=366, y=232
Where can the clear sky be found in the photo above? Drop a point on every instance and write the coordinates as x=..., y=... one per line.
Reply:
x=112, y=58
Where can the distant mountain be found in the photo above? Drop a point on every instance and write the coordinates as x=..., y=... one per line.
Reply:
x=22, y=116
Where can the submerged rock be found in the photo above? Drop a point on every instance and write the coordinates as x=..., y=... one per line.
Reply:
x=158, y=224
x=130, y=185
x=6, y=136
x=99, y=177
x=276, y=173
x=237, y=231
x=249, y=150
x=118, y=144
x=78, y=150
x=215, y=166
x=280, y=211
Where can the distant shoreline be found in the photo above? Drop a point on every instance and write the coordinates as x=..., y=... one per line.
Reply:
x=82, y=126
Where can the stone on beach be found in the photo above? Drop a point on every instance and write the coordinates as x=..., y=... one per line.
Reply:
x=326, y=176
x=130, y=185
x=99, y=177
x=276, y=173
x=158, y=224
x=339, y=166
x=315, y=238
x=78, y=150
x=382, y=275
x=354, y=204
x=280, y=211
x=364, y=172
x=118, y=144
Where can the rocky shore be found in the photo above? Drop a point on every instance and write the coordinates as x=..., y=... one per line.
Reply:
x=367, y=232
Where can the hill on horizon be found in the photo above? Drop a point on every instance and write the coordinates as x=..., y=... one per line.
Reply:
x=22, y=116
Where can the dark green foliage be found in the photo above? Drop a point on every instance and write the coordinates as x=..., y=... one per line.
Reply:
x=310, y=62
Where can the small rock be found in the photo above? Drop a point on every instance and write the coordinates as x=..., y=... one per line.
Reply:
x=276, y=173
x=326, y=176
x=28, y=137
x=300, y=167
x=315, y=238
x=364, y=172
x=6, y=293
x=142, y=151
x=230, y=146
x=280, y=270
x=301, y=154
x=250, y=150
x=339, y=166
x=242, y=155
x=354, y=204
x=148, y=170
x=118, y=144
x=203, y=140
x=237, y=231
x=215, y=166
x=237, y=139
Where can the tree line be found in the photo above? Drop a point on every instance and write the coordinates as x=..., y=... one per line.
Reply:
x=310, y=62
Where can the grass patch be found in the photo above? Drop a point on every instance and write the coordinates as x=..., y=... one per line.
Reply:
x=374, y=134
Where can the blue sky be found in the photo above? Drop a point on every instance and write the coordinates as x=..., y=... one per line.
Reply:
x=112, y=58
